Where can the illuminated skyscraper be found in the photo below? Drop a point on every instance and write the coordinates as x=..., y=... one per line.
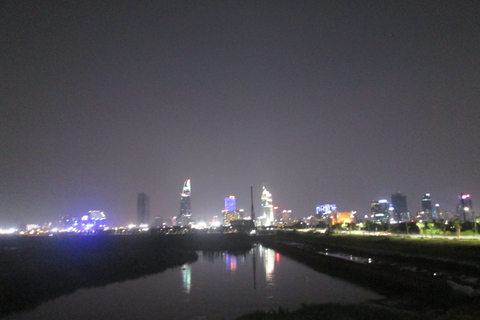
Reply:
x=230, y=203
x=381, y=210
x=267, y=206
x=465, y=207
x=143, y=209
x=230, y=213
x=185, y=204
x=436, y=212
x=427, y=205
x=252, y=210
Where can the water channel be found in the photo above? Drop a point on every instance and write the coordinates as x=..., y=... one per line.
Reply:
x=217, y=286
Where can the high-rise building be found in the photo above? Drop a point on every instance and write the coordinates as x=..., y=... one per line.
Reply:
x=230, y=203
x=252, y=210
x=229, y=216
x=143, y=209
x=327, y=213
x=427, y=205
x=267, y=206
x=277, y=212
x=286, y=216
x=185, y=204
x=437, y=214
x=381, y=210
x=230, y=213
x=399, y=203
x=465, y=208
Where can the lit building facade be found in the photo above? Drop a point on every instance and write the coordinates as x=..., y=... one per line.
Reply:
x=344, y=217
x=143, y=209
x=229, y=216
x=465, y=208
x=327, y=213
x=381, y=210
x=230, y=213
x=95, y=220
x=185, y=205
x=230, y=203
x=437, y=214
x=427, y=205
x=268, y=217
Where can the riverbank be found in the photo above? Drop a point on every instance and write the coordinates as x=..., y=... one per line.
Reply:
x=410, y=294
x=457, y=260
x=35, y=269
x=334, y=312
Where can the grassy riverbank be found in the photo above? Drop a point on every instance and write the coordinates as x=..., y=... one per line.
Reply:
x=410, y=294
x=452, y=248
x=40, y=268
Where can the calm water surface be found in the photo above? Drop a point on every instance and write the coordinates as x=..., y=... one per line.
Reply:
x=217, y=286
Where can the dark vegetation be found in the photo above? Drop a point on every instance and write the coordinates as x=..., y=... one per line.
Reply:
x=39, y=268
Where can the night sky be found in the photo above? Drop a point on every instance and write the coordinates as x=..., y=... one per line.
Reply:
x=320, y=101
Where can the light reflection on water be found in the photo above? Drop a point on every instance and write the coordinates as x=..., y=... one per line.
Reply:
x=187, y=277
x=269, y=262
x=219, y=285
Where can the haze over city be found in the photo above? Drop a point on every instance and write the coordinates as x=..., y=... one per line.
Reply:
x=320, y=101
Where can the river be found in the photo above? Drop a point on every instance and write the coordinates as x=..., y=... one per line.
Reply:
x=217, y=286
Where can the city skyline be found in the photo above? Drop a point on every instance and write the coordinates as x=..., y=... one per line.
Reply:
x=396, y=209
x=323, y=102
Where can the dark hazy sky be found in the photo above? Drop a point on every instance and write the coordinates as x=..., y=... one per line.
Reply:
x=322, y=101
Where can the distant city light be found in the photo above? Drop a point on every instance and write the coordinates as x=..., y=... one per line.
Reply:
x=201, y=225
x=8, y=231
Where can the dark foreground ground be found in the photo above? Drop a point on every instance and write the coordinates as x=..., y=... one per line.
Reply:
x=35, y=269
x=422, y=279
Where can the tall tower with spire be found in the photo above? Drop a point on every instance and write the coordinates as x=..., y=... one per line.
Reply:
x=252, y=210
x=267, y=206
x=185, y=204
